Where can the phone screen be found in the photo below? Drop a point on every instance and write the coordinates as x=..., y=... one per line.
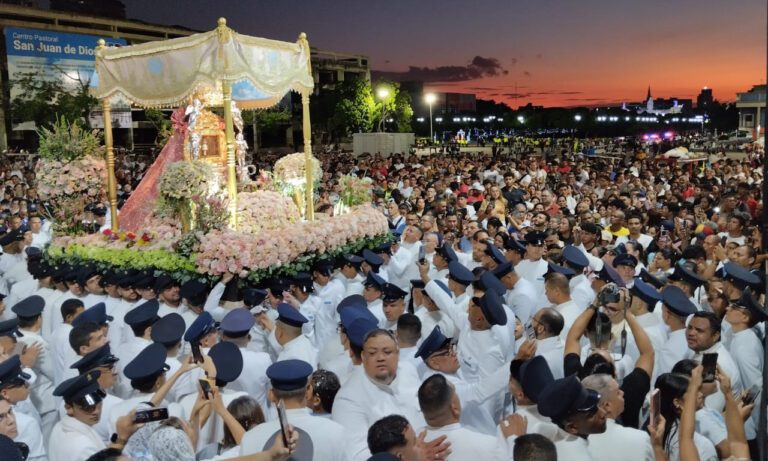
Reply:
x=655, y=407
x=153, y=414
x=283, y=421
x=422, y=254
x=530, y=332
x=751, y=394
x=709, y=363
x=205, y=385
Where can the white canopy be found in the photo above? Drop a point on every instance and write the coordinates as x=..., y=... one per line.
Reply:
x=166, y=73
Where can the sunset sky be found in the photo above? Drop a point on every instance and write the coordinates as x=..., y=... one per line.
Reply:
x=551, y=53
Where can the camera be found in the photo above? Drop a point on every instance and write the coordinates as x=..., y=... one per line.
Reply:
x=610, y=294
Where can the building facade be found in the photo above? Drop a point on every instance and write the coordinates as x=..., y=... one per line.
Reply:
x=751, y=105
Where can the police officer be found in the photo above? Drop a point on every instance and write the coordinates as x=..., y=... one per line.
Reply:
x=15, y=390
x=103, y=361
x=235, y=328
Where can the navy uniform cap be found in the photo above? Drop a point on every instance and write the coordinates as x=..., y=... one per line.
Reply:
x=85, y=273
x=99, y=211
x=202, y=325
x=142, y=313
x=10, y=450
x=490, y=283
x=447, y=253
x=383, y=456
x=228, y=360
x=575, y=258
x=95, y=314
x=144, y=282
x=290, y=315
x=385, y=247
x=289, y=375
x=740, y=276
x=33, y=252
x=519, y=246
x=194, y=291
x=303, y=280
x=12, y=236
x=625, y=259
x=375, y=281
x=393, y=292
x=566, y=396
x=355, y=260
x=96, y=358
x=749, y=302
x=433, y=343
x=372, y=258
x=10, y=328
x=11, y=372
x=620, y=249
x=83, y=387
x=352, y=301
x=351, y=314
x=164, y=282
x=650, y=279
x=459, y=273
x=503, y=269
x=535, y=375
x=682, y=274
x=168, y=330
x=646, y=292
x=358, y=329
x=237, y=322
x=126, y=280
x=253, y=297
x=149, y=362
x=677, y=301
x=30, y=306
x=536, y=238
x=493, y=309
x=495, y=254
x=418, y=283
x=609, y=275
x=553, y=268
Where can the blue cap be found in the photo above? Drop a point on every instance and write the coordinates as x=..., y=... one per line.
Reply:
x=519, y=246
x=459, y=273
x=30, y=306
x=625, y=259
x=447, y=253
x=495, y=253
x=149, y=362
x=352, y=301
x=237, y=322
x=375, y=281
x=290, y=315
x=33, y=252
x=563, y=397
x=352, y=313
x=253, y=297
x=358, y=329
x=194, y=291
x=228, y=360
x=739, y=276
x=749, y=302
x=535, y=238
x=668, y=224
x=373, y=259
x=575, y=258
x=432, y=343
x=289, y=375
x=10, y=328
x=609, y=275
x=535, y=375
x=96, y=358
x=646, y=292
x=95, y=314
x=12, y=236
x=490, y=283
x=650, y=279
x=385, y=247
x=168, y=330
x=620, y=249
x=143, y=313
x=553, y=268
x=354, y=260
x=11, y=372
x=303, y=280
x=164, y=282
x=393, y=292
x=202, y=325
x=677, y=301
x=10, y=450
x=682, y=274
x=82, y=389
x=85, y=273
x=503, y=269
x=493, y=309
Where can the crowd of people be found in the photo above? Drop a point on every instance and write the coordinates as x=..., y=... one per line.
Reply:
x=532, y=304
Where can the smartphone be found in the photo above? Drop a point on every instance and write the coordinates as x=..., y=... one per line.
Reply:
x=709, y=363
x=197, y=356
x=530, y=331
x=723, y=240
x=283, y=421
x=422, y=254
x=153, y=414
x=751, y=394
x=655, y=407
x=205, y=385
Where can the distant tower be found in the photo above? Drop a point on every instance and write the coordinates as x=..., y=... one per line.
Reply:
x=649, y=100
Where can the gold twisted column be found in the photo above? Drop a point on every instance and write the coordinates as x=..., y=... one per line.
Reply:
x=309, y=213
x=231, y=161
x=111, y=180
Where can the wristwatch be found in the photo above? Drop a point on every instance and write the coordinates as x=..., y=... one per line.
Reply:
x=116, y=439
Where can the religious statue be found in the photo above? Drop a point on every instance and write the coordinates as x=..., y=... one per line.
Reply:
x=193, y=112
x=237, y=117
x=241, y=148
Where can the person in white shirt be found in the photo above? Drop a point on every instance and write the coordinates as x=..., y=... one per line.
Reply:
x=402, y=266
x=103, y=361
x=526, y=381
x=63, y=354
x=534, y=266
x=521, y=296
x=441, y=407
x=548, y=324
x=558, y=292
x=349, y=274
x=393, y=304
x=14, y=389
x=676, y=308
x=288, y=333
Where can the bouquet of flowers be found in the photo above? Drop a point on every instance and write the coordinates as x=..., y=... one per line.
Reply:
x=265, y=210
x=293, y=169
x=182, y=185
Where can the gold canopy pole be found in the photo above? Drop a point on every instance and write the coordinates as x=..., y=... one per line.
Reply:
x=226, y=90
x=111, y=181
x=309, y=213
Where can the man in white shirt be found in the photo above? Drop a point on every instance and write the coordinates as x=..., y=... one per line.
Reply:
x=534, y=266
x=676, y=308
x=558, y=292
x=521, y=296
x=581, y=288
x=548, y=325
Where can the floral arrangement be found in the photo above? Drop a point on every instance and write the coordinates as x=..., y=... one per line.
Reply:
x=185, y=180
x=68, y=141
x=354, y=191
x=265, y=210
x=292, y=168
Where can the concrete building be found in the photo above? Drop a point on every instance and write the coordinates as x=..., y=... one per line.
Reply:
x=751, y=105
x=704, y=100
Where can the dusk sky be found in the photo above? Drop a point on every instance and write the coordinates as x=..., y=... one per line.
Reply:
x=551, y=53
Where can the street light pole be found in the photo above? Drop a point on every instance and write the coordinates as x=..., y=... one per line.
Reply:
x=383, y=93
x=430, y=98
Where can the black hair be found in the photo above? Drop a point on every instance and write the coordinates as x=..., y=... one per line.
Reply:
x=140, y=328
x=409, y=327
x=552, y=321
x=27, y=322
x=387, y=433
x=714, y=321
x=534, y=447
x=514, y=369
x=694, y=252
x=434, y=395
x=107, y=454
x=146, y=384
x=671, y=386
x=70, y=306
x=81, y=335
x=596, y=364
x=325, y=385
x=685, y=367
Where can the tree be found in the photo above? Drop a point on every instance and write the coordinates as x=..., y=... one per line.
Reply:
x=265, y=120
x=44, y=101
x=403, y=112
x=356, y=108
